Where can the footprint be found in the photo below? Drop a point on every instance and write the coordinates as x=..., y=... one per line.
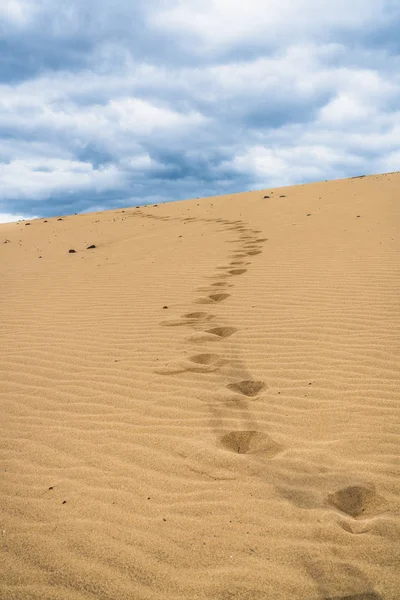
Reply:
x=222, y=332
x=364, y=596
x=247, y=388
x=251, y=442
x=237, y=271
x=357, y=500
x=253, y=252
x=262, y=240
x=199, y=363
x=218, y=297
x=207, y=359
x=175, y=323
x=219, y=284
x=337, y=580
x=212, y=299
x=198, y=315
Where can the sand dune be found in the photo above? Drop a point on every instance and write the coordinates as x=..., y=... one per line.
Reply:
x=206, y=404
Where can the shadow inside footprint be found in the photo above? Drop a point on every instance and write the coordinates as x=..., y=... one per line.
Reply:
x=237, y=271
x=247, y=388
x=218, y=297
x=357, y=500
x=364, y=596
x=212, y=299
x=251, y=442
x=222, y=332
x=253, y=252
x=175, y=323
x=197, y=315
x=206, y=359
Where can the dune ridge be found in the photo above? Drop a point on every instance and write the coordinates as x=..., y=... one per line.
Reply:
x=205, y=405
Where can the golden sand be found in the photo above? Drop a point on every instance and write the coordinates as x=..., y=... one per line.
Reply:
x=206, y=404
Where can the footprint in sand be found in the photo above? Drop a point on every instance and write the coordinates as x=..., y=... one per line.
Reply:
x=247, y=388
x=237, y=271
x=251, y=442
x=251, y=247
x=212, y=299
x=364, y=596
x=358, y=501
x=253, y=253
x=222, y=332
x=176, y=323
x=188, y=319
x=199, y=363
x=212, y=335
x=337, y=580
x=209, y=360
x=198, y=315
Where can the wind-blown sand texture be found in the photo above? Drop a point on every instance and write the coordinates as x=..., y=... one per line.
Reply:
x=206, y=405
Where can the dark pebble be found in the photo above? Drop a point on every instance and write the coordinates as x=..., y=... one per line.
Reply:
x=165, y=306
x=71, y=251
x=266, y=196
x=27, y=224
x=90, y=247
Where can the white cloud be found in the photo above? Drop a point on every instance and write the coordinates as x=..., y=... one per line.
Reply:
x=41, y=178
x=12, y=218
x=266, y=92
x=389, y=162
x=48, y=103
x=145, y=118
x=283, y=165
x=140, y=162
x=15, y=12
x=219, y=23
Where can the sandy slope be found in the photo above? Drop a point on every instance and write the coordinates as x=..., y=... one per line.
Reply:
x=206, y=405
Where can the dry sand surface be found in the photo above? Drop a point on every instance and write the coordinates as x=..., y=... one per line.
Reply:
x=206, y=405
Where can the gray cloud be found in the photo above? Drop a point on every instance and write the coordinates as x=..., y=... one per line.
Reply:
x=115, y=104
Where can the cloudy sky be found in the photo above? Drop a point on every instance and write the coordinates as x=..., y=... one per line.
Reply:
x=110, y=103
